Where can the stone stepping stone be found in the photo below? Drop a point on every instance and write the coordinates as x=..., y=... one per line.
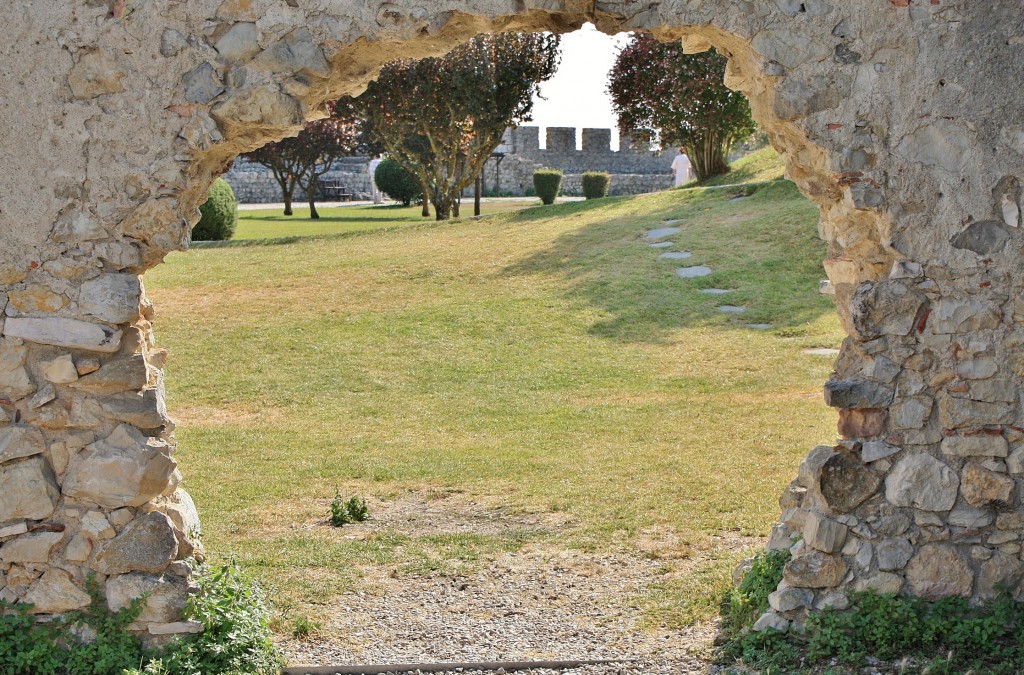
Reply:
x=821, y=351
x=732, y=309
x=715, y=291
x=676, y=255
x=693, y=272
x=675, y=222
x=662, y=232
x=663, y=244
x=759, y=326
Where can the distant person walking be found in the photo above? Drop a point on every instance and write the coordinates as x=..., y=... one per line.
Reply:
x=378, y=198
x=682, y=170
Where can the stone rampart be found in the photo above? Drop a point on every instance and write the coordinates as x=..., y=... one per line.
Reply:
x=634, y=170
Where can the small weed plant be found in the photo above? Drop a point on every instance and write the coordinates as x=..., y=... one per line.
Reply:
x=303, y=628
x=945, y=636
x=351, y=510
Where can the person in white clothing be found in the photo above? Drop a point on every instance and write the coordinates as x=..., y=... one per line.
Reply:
x=682, y=170
x=378, y=198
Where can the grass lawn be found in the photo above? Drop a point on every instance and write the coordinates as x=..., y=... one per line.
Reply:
x=538, y=366
x=272, y=224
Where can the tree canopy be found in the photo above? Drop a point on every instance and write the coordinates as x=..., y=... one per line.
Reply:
x=441, y=118
x=656, y=87
x=301, y=160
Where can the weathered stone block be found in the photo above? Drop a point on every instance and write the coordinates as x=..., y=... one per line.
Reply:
x=14, y=379
x=963, y=315
x=815, y=569
x=60, y=370
x=910, y=414
x=923, y=482
x=883, y=583
x=845, y=482
x=985, y=445
x=145, y=410
x=857, y=394
x=887, y=307
x=55, y=593
x=69, y=333
x=872, y=451
x=37, y=298
x=28, y=489
x=862, y=422
x=95, y=74
x=957, y=413
x=147, y=544
x=30, y=548
x=985, y=489
x=240, y=43
x=166, y=599
x=125, y=469
x=893, y=554
x=823, y=534
x=999, y=571
x=124, y=373
x=96, y=525
x=19, y=440
x=938, y=571
x=111, y=297
x=789, y=599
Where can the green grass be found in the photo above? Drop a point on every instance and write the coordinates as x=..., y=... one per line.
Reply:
x=273, y=224
x=542, y=361
x=759, y=166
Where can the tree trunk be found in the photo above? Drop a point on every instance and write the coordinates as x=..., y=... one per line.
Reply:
x=455, y=207
x=707, y=155
x=476, y=196
x=311, y=196
x=425, y=201
x=288, y=200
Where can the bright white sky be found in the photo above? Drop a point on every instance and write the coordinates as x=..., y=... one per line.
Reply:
x=576, y=94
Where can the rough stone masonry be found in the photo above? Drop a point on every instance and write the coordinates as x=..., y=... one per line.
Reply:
x=901, y=119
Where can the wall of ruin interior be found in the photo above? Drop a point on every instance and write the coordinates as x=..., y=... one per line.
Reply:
x=900, y=119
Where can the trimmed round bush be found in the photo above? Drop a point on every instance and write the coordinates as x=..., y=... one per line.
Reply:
x=547, y=183
x=595, y=184
x=396, y=182
x=220, y=214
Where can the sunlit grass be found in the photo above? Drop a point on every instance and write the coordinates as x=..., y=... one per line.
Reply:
x=540, y=361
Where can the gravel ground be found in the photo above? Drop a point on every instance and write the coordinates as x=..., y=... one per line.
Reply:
x=529, y=605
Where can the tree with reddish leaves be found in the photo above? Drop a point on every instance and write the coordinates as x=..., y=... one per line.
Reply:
x=300, y=161
x=441, y=118
x=656, y=87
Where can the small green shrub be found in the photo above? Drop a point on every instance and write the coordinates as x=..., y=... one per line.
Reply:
x=396, y=182
x=596, y=184
x=236, y=630
x=353, y=510
x=220, y=214
x=547, y=183
x=749, y=600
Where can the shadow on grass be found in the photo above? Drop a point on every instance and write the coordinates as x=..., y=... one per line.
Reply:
x=760, y=240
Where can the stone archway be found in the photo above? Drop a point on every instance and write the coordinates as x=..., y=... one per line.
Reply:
x=898, y=118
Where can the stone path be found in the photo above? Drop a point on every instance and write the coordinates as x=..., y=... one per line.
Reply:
x=822, y=351
x=693, y=272
x=662, y=232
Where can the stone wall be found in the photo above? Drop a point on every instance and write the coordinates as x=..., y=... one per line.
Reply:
x=255, y=184
x=900, y=120
x=634, y=169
